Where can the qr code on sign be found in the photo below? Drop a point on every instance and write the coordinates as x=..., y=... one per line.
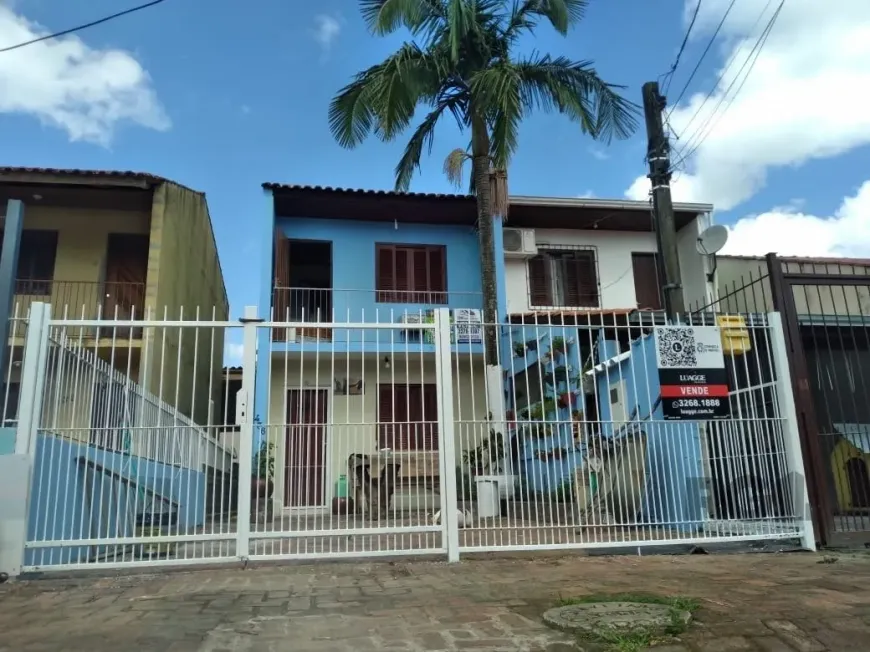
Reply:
x=676, y=347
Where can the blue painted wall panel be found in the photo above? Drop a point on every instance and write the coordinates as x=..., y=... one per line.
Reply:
x=68, y=504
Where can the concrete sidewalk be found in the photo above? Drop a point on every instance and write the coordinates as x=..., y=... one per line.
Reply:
x=788, y=602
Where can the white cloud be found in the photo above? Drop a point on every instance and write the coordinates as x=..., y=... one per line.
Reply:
x=326, y=29
x=586, y=195
x=65, y=83
x=599, y=154
x=790, y=232
x=805, y=98
x=233, y=354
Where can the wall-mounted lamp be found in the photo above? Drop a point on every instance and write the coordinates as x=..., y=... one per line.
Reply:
x=386, y=362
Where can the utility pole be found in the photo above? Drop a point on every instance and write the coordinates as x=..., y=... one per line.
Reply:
x=658, y=154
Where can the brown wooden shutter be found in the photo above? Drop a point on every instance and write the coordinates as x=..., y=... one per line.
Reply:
x=540, y=294
x=386, y=272
x=404, y=271
x=281, y=286
x=438, y=275
x=430, y=412
x=647, y=289
x=385, y=416
x=419, y=281
x=583, y=269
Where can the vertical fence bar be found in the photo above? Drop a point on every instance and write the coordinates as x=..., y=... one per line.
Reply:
x=32, y=378
x=788, y=414
x=246, y=435
x=447, y=443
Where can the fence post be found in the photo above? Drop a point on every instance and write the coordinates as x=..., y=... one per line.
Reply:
x=16, y=470
x=791, y=432
x=246, y=435
x=446, y=434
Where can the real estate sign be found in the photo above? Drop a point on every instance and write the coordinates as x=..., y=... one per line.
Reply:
x=692, y=374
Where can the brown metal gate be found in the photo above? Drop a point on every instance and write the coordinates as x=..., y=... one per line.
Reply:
x=825, y=305
x=825, y=308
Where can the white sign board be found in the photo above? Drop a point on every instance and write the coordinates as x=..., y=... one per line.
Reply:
x=467, y=323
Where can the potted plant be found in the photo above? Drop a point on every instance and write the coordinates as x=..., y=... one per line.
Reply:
x=519, y=349
x=558, y=345
x=567, y=399
x=263, y=474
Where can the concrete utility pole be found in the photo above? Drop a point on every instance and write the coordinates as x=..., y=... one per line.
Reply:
x=658, y=154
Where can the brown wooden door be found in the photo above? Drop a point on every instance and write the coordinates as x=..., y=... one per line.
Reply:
x=126, y=272
x=646, y=281
x=305, y=446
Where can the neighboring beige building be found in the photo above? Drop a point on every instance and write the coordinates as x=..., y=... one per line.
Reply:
x=125, y=245
x=744, y=286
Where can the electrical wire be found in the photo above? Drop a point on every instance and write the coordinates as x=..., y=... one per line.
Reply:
x=714, y=118
x=703, y=56
x=721, y=76
x=668, y=77
x=71, y=30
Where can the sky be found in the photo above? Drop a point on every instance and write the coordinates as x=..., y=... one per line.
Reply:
x=222, y=96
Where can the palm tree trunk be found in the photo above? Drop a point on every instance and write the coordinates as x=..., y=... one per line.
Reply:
x=480, y=170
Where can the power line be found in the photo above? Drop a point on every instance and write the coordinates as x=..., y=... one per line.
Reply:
x=701, y=60
x=81, y=27
x=669, y=75
x=751, y=61
x=721, y=76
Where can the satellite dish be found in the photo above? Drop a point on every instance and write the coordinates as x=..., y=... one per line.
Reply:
x=712, y=240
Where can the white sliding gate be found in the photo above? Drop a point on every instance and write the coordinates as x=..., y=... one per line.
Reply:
x=395, y=436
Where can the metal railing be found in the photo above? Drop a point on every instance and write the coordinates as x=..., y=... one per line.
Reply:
x=84, y=299
x=318, y=305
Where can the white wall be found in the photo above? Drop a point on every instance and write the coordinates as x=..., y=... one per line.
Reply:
x=697, y=291
x=353, y=420
x=613, y=256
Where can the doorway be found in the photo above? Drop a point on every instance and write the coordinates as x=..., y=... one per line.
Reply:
x=310, y=280
x=305, y=448
x=124, y=286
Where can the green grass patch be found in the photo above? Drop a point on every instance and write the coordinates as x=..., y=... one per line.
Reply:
x=639, y=639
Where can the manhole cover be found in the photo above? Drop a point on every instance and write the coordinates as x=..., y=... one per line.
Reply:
x=595, y=617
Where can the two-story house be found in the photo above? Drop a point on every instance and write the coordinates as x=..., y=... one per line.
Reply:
x=374, y=265
x=582, y=282
x=126, y=246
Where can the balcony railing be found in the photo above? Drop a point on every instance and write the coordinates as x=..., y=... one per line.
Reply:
x=84, y=300
x=312, y=305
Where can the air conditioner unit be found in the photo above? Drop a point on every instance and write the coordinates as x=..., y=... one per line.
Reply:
x=519, y=243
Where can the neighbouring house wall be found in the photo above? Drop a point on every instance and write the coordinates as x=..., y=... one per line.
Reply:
x=82, y=242
x=353, y=420
x=184, y=276
x=613, y=259
x=744, y=286
x=697, y=290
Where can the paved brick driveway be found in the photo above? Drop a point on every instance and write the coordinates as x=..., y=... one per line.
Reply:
x=790, y=602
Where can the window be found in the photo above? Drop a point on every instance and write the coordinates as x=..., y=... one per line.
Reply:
x=36, y=254
x=647, y=289
x=408, y=417
x=411, y=274
x=9, y=394
x=563, y=278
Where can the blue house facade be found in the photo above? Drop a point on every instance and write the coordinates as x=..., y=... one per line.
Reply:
x=354, y=274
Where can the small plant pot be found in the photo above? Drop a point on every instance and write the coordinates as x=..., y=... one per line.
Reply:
x=566, y=400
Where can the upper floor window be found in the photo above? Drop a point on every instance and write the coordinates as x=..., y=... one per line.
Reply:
x=647, y=289
x=563, y=278
x=411, y=273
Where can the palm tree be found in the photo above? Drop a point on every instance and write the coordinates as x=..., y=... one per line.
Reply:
x=462, y=61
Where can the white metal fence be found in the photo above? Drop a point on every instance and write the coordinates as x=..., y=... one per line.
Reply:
x=366, y=439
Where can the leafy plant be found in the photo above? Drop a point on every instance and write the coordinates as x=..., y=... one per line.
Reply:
x=264, y=461
x=464, y=62
x=558, y=344
x=519, y=349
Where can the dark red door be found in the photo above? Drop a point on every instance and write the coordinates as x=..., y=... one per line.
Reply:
x=304, y=471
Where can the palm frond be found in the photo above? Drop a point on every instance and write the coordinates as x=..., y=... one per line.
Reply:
x=386, y=16
x=460, y=24
x=352, y=110
x=575, y=89
x=453, y=166
x=423, y=136
x=562, y=14
x=499, y=199
x=496, y=91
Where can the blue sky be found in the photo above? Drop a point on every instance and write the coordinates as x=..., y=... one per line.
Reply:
x=222, y=96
